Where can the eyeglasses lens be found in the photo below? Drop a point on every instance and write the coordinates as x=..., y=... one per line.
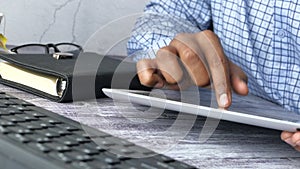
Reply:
x=32, y=50
x=67, y=48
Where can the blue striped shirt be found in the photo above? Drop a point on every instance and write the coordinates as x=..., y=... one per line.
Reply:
x=261, y=36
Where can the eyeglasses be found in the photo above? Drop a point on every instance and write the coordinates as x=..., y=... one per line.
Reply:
x=36, y=48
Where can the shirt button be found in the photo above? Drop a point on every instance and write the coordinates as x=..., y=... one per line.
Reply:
x=281, y=33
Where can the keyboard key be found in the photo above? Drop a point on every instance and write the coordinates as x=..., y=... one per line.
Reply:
x=8, y=111
x=56, y=130
x=20, y=107
x=3, y=105
x=47, y=125
x=4, y=130
x=14, y=119
x=86, y=150
x=79, y=156
x=69, y=128
x=61, y=157
x=40, y=147
x=108, y=157
x=32, y=125
x=27, y=117
x=35, y=114
x=19, y=138
x=58, y=147
x=84, y=158
x=93, y=147
x=43, y=140
x=20, y=130
x=5, y=123
x=50, y=134
x=70, y=143
x=8, y=102
x=83, y=139
x=51, y=120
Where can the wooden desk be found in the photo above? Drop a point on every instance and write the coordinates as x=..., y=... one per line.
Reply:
x=232, y=145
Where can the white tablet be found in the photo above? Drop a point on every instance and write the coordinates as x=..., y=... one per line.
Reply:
x=249, y=109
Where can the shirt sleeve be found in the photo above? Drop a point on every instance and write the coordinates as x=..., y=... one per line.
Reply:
x=162, y=20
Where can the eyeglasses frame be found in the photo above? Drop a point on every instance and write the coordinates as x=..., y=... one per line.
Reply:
x=46, y=46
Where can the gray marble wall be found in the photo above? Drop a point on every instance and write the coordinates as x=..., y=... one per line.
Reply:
x=69, y=20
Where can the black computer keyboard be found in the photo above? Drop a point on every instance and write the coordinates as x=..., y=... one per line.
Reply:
x=34, y=138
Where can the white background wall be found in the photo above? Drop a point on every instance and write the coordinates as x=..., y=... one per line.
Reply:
x=65, y=20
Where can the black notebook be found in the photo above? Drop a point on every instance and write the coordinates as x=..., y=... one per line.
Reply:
x=63, y=80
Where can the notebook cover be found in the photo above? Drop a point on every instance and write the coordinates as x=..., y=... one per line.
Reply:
x=85, y=74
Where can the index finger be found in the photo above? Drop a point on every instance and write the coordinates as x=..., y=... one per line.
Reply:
x=218, y=66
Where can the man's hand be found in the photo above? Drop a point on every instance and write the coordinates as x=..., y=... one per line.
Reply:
x=292, y=139
x=200, y=56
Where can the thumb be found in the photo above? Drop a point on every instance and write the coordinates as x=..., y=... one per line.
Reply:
x=238, y=79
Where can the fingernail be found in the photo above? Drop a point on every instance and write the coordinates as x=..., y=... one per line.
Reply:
x=223, y=100
x=290, y=142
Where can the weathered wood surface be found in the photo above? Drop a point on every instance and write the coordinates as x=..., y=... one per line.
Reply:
x=231, y=145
